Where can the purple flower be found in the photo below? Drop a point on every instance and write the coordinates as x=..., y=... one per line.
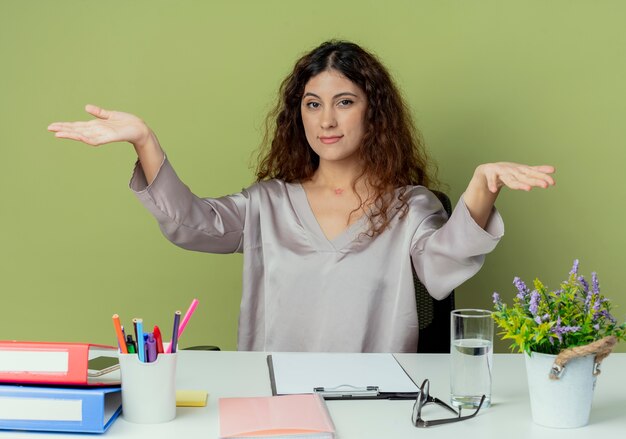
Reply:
x=596, y=326
x=595, y=283
x=574, y=267
x=496, y=298
x=521, y=288
x=607, y=315
x=559, y=330
x=596, y=305
x=586, y=289
x=538, y=320
x=584, y=283
x=565, y=329
x=534, y=302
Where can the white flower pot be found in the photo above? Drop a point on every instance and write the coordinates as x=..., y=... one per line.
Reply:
x=562, y=403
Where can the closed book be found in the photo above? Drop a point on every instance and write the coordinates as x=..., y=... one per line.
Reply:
x=66, y=409
x=53, y=363
x=289, y=416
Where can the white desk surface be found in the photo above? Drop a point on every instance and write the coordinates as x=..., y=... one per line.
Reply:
x=245, y=374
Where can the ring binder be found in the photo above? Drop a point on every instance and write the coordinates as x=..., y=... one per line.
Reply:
x=54, y=363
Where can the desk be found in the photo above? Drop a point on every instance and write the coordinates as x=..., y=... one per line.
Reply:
x=245, y=374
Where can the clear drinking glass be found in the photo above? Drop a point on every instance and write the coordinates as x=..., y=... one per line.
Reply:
x=471, y=348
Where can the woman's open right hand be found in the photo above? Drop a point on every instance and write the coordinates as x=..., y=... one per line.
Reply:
x=115, y=126
x=109, y=126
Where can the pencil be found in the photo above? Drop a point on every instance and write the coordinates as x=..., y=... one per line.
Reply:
x=120, y=336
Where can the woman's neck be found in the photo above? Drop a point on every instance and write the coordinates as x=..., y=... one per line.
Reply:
x=338, y=177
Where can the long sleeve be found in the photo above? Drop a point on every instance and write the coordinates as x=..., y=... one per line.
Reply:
x=304, y=292
x=213, y=225
x=445, y=256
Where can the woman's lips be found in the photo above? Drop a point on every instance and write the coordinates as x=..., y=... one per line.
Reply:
x=330, y=139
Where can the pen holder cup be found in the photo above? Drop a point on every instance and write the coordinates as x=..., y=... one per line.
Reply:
x=148, y=389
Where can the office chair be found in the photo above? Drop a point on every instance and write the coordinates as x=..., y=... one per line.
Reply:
x=433, y=315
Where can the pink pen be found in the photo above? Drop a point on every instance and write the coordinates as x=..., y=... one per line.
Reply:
x=183, y=324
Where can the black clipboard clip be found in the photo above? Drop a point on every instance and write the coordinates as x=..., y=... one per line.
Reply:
x=347, y=391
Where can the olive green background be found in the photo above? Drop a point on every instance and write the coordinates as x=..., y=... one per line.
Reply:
x=534, y=81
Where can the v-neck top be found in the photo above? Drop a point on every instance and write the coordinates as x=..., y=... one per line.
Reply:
x=304, y=292
x=303, y=210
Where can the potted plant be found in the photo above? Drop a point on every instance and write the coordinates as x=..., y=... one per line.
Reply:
x=566, y=333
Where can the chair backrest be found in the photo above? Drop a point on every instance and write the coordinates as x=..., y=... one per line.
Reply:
x=433, y=315
x=202, y=348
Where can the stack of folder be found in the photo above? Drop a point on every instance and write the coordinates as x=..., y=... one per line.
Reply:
x=49, y=387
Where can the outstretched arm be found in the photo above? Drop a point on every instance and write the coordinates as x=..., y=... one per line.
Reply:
x=115, y=126
x=488, y=179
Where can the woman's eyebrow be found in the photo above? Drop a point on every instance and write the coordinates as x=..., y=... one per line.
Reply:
x=343, y=93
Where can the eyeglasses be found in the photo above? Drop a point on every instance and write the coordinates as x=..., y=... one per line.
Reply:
x=424, y=398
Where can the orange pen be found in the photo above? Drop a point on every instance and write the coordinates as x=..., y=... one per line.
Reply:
x=159, y=340
x=120, y=336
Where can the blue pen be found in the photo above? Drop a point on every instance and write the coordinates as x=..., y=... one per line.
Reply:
x=175, y=332
x=141, y=347
x=151, y=348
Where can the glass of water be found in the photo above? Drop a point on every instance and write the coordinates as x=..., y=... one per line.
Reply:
x=471, y=346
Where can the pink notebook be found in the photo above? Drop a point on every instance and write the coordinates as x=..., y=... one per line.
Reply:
x=297, y=416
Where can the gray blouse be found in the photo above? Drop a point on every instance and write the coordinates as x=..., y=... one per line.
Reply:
x=304, y=292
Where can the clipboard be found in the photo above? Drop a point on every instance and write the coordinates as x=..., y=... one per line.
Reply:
x=340, y=375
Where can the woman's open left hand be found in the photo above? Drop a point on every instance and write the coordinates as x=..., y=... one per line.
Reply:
x=488, y=179
x=515, y=176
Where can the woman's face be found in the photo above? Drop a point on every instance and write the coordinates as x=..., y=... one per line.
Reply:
x=333, y=114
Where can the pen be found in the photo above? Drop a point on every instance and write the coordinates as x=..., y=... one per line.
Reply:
x=183, y=324
x=151, y=349
x=120, y=336
x=130, y=344
x=172, y=347
x=135, y=329
x=188, y=314
x=158, y=338
x=141, y=349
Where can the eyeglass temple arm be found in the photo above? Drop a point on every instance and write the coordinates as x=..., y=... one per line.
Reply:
x=444, y=405
x=480, y=404
x=421, y=423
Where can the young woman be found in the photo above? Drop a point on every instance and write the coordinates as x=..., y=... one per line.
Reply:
x=339, y=214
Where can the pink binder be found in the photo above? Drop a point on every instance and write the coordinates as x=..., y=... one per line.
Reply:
x=288, y=415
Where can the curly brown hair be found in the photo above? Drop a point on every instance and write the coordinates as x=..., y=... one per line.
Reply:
x=393, y=155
